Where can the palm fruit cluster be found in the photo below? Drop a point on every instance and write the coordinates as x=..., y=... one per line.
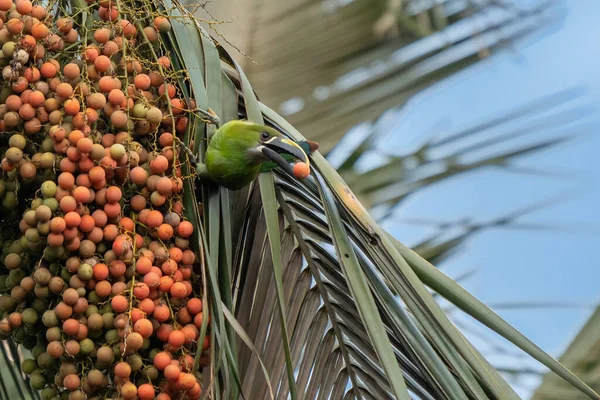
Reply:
x=96, y=267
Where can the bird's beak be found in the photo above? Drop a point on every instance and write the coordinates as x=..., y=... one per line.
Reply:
x=274, y=147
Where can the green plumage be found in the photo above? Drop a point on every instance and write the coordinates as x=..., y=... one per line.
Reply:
x=234, y=156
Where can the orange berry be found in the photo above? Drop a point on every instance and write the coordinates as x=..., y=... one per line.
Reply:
x=100, y=218
x=162, y=24
x=55, y=239
x=37, y=98
x=121, y=245
x=165, y=232
x=186, y=381
x=106, y=84
x=154, y=219
x=165, y=283
x=102, y=35
x=161, y=312
x=13, y=102
x=71, y=106
x=112, y=209
x=139, y=176
x=162, y=360
x=170, y=89
x=28, y=42
x=172, y=372
x=26, y=112
x=126, y=224
x=70, y=327
x=190, y=331
x=178, y=290
x=71, y=70
x=122, y=370
x=5, y=5
x=48, y=70
x=164, y=185
x=100, y=271
x=176, y=254
x=67, y=204
x=110, y=48
x=142, y=81
x=91, y=53
x=24, y=7
x=301, y=170
x=110, y=232
x=66, y=180
x=138, y=202
x=57, y=225
x=185, y=229
x=39, y=30
x=194, y=306
x=113, y=194
x=146, y=392
x=102, y=63
x=109, y=13
x=120, y=304
x=14, y=26
x=117, y=268
x=164, y=62
x=128, y=28
x=159, y=164
x=32, y=74
x=71, y=381
x=84, y=145
x=143, y=327
x=116, y=97
x=72, y=219
x=81, y=194
x=64, y=24
x=176, y=338
x=103, y=289
x=119, y=119
x=151, y=34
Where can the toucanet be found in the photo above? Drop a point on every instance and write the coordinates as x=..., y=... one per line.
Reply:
x=239, y=150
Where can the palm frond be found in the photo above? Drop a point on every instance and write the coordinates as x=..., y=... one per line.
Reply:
x=333, y=305
x=13, y=383
x=494, y=143
x=445, y=242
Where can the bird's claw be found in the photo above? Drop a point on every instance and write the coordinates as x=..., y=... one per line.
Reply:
x=190, y=153
x=201, y=170
x=210, y=116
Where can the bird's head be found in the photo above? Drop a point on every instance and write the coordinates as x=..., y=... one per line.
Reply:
x=262, y=143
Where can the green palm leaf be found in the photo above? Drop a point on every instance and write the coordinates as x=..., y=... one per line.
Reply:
x=13, y=384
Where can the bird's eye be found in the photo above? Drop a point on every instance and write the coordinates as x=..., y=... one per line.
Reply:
x=264, y=136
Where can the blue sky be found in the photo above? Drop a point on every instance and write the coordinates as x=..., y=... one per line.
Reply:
x=513, y=265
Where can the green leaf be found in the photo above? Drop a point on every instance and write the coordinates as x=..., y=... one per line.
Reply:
x=458, y=296
x=362, y=294
x=13, y=383
x=248, y=342
x=452, y=341
x=267, y=191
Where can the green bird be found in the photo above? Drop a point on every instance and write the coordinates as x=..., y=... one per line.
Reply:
x=239, y=150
